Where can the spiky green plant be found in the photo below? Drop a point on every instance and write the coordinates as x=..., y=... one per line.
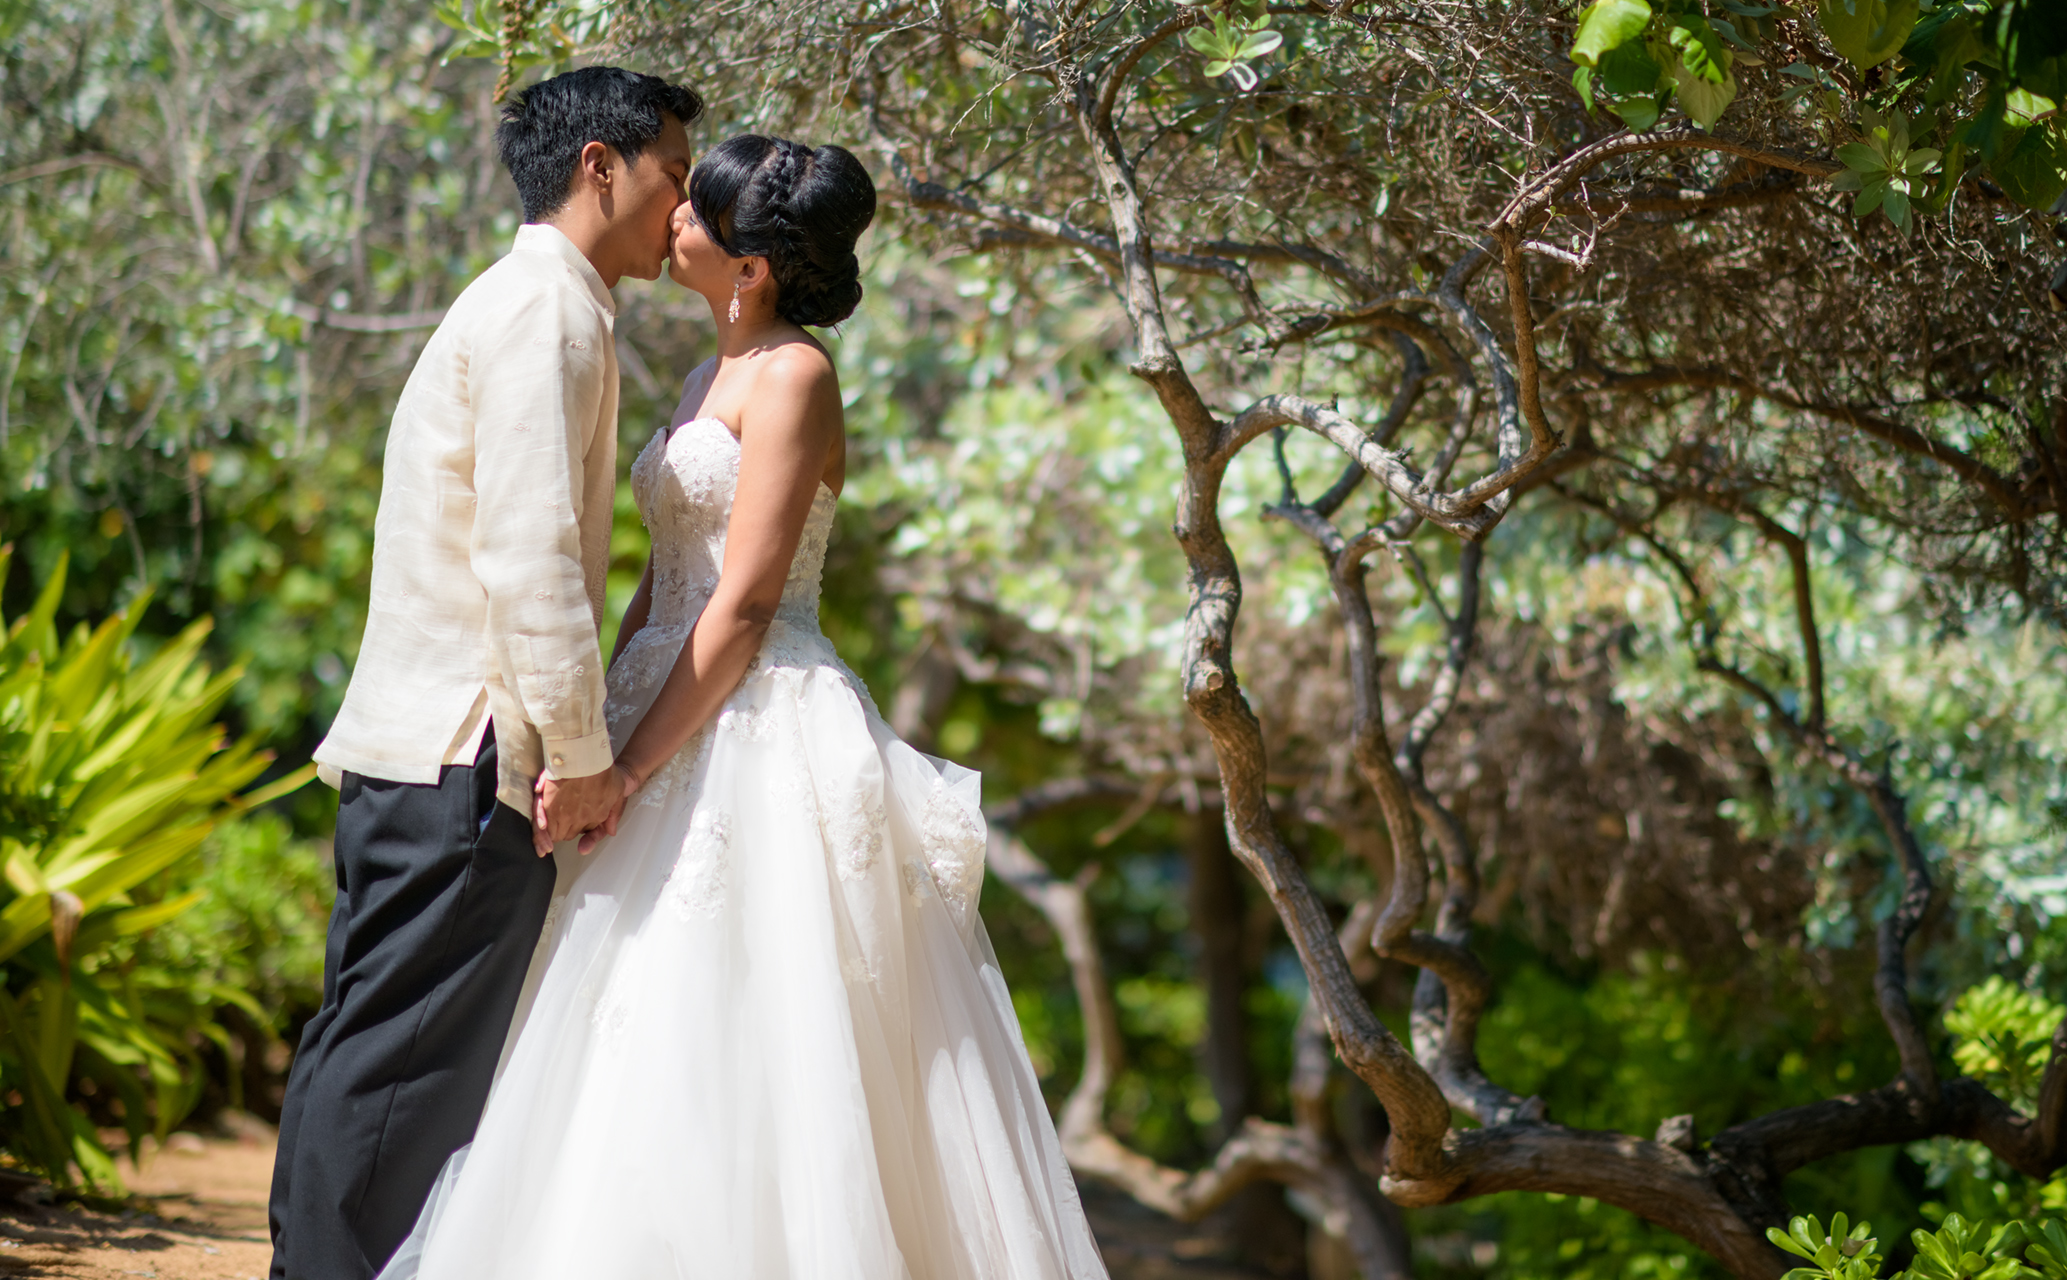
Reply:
x=112, y=773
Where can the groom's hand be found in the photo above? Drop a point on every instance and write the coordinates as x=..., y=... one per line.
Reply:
x=628, y=782
x=563, y=808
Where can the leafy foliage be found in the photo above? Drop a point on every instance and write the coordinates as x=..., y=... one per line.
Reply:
x=1230, y=44
x=1957, y=1250
x=1985, y=78
x=111, y=777
x=2005, y=1037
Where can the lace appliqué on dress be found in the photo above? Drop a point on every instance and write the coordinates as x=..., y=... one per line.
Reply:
x=610, y=1016
x=676, y=773
x=747, y=722
x=856, y=828
x=952, y=836
x=697, y=887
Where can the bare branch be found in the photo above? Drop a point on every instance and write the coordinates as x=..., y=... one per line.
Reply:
x=82, y=160
x=1650, y=1179
x=1891, y=973
x=1130, y=57
x=1305, y=255
x=2052, y=1100
x=1796, y=548
x=1413, y=380
x=1299, y=1156
x=1561, y=177
x=1682, y=202
x=1387, y=467
x=2015, y=500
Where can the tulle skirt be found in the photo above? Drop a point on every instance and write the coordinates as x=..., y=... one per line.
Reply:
x=765, y=1036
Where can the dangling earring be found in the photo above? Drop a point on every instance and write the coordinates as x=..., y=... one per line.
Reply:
x=732, y=313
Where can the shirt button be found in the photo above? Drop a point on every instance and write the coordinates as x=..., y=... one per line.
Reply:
x=558, y=761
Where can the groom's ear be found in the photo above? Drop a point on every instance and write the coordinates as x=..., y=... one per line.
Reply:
x=595, y=168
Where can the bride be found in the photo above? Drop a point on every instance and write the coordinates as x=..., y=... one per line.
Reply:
x=764, y=1036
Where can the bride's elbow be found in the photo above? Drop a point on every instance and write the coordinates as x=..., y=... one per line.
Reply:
x=748, y=616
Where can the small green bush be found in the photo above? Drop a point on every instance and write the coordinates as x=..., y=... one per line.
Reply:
x=112, y=775
x=1957, y=1250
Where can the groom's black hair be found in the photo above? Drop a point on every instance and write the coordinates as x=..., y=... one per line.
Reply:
x=545, y=127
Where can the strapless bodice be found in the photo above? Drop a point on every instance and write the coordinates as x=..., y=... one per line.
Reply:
x=683, y=482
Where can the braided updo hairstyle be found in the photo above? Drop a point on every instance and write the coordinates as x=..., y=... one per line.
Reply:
x=802, y=208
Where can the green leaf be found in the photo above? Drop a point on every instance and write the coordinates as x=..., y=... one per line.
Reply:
x=2022, y=107
x=1703, y=100
x=1608, y=24
x=1728, y=31
x=2034, y=173
x=1861, y=158
x=1639, y=113
x=1788, y=1242
x=1701, y=50
x=1867, y=32
x=1258, y=44
x=1629, y=70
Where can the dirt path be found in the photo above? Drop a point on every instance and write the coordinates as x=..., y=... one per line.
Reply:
x=210, y=1224
x=209, y=1193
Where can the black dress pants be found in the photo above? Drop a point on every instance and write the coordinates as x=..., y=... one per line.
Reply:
x=437, y=916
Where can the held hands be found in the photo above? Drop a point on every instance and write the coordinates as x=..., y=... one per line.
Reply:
x=589, y=807
x=629, y=782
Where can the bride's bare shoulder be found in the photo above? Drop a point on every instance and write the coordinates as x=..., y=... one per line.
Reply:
x=799, y=370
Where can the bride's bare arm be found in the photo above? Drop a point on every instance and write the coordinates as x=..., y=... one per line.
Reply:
x=635, y=613
x=785, y=448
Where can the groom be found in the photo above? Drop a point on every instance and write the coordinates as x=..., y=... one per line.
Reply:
x=479, y=685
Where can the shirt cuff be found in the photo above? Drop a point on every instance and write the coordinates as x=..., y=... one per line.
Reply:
x=578, y=757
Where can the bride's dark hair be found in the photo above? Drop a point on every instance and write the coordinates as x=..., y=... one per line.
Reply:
x=802, y=208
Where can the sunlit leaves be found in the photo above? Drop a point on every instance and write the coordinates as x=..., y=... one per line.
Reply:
x=1982, y=78
x=1607, y=25
x=1867, y=32
x=1703, y=70
x=2005, y=1037
x=1634, y=62
x=2032, y=166
x=111, y=775
x=1231, y=44
x=1883, y=169
x=1842, y=1252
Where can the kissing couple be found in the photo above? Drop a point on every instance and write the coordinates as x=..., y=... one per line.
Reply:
x=674, y=972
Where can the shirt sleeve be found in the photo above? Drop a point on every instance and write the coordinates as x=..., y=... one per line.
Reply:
x=536, y=389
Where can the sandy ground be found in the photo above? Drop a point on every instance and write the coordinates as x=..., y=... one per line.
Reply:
x=210, y=1221
x=206, y=1220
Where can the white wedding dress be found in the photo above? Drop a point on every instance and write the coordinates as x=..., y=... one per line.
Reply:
x=765, y=1036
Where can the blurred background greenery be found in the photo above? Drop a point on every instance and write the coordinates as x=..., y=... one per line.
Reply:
x=225, y=229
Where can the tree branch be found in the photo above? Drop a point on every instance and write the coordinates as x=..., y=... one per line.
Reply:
x=1299, y=1156
x=1553, y=183
x=83, y=160
x=1657, y=1182
x=1419, y=1114
x=2015, y=501
x=1891, y=973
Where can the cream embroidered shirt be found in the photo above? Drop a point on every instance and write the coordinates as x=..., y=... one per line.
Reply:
x=493, y=537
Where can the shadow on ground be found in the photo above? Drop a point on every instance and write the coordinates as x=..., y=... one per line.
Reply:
x=201, y=1215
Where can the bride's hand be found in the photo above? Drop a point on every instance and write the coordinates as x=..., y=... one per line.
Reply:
x=630, y=783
